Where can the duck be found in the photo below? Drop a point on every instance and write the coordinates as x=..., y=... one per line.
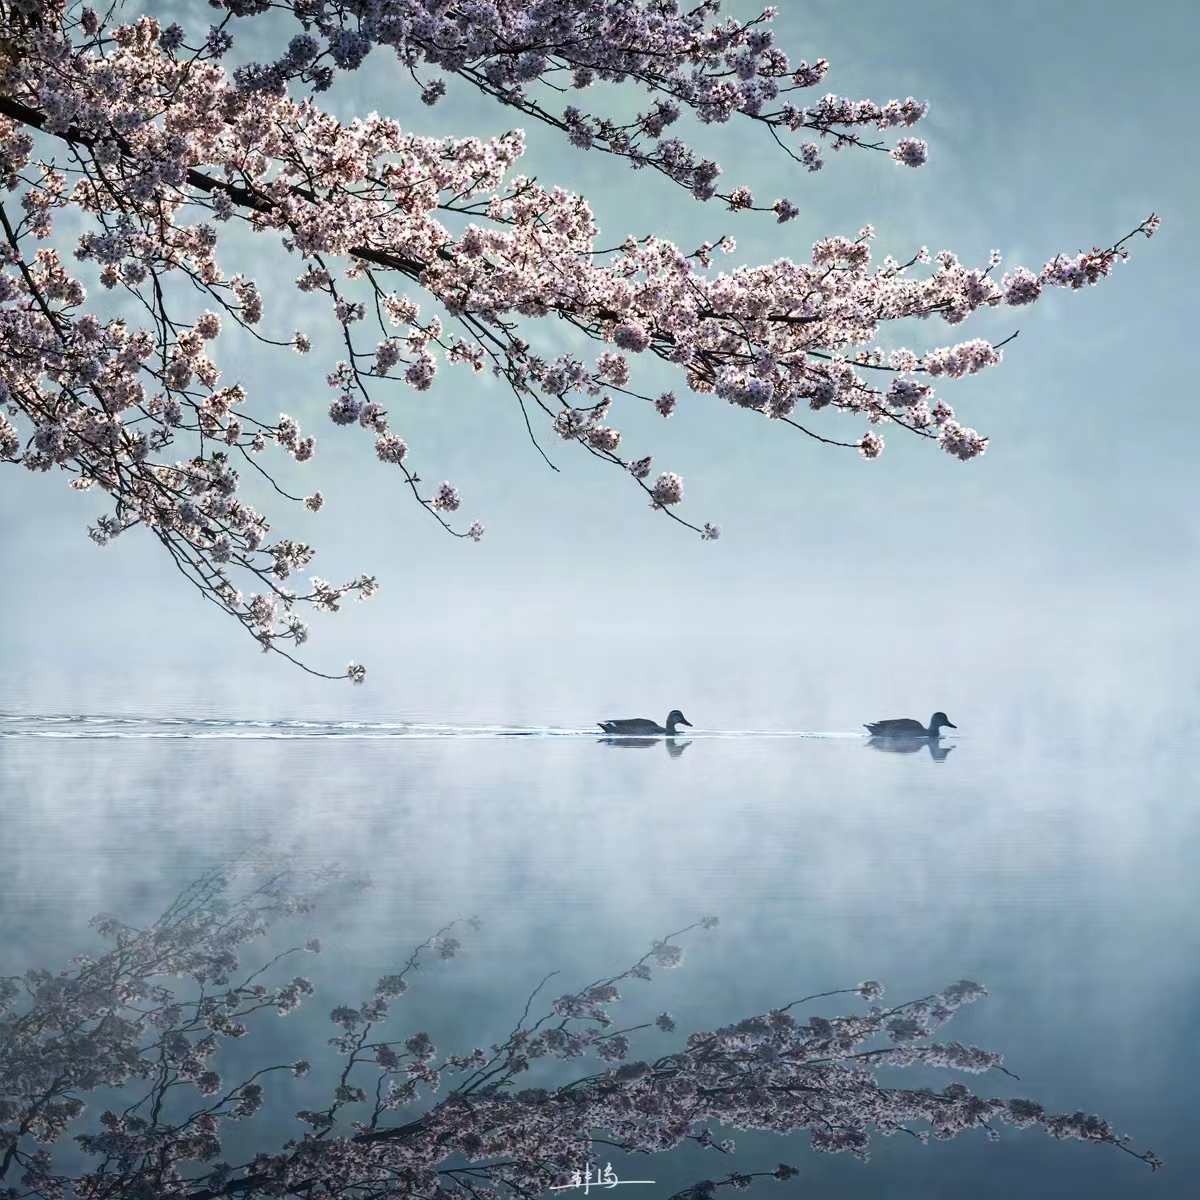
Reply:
x=906, y=727
x=644, y=727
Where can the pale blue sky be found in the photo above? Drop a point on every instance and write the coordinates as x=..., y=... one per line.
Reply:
x=840, y=585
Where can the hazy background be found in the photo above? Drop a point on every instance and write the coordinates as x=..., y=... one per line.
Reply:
x=1057, y=570
x=1043, y=596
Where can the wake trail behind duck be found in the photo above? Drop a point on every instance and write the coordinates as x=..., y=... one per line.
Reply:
x=92, y=726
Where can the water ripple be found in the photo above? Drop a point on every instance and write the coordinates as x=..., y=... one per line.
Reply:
x=16, y=725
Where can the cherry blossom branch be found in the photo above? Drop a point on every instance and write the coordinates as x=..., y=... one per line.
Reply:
x=158, y=129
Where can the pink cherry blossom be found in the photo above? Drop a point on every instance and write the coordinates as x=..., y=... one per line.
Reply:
x=446, y=498
x=168, y=146
x=667, y=489
x=871, y=445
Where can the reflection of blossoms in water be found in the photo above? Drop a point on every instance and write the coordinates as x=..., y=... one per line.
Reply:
x=613, y=1049
x=667, y=955
x=145, y=1016
x=444, y=947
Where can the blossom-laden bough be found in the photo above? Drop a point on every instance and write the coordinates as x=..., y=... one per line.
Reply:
x=150, y=1014
x=154, y=147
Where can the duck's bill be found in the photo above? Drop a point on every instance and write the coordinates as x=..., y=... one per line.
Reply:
x=951, y=726
x=687, y=723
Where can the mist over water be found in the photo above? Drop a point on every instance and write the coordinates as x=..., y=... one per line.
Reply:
x=1049, y=856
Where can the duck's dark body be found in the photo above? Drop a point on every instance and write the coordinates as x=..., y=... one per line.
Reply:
x=902, y=728
x=633, y=727
x=906, y=727
x=644, y=727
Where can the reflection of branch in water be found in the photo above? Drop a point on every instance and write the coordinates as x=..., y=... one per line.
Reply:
x=674, y=747
x=938, y=750
x=138, y=1015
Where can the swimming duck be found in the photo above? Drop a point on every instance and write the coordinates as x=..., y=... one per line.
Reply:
x=644, y=727
x=906, y=727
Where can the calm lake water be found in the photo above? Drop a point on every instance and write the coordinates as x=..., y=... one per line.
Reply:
x=1060, y=872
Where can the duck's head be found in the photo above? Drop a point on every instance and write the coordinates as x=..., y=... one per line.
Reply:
x=938, y=720
x=675, y=717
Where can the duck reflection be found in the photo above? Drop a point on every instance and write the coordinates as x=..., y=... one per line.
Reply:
x=938, y=750
x=674, y=747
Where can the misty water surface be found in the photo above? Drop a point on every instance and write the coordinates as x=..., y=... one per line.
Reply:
x=1055, y=867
